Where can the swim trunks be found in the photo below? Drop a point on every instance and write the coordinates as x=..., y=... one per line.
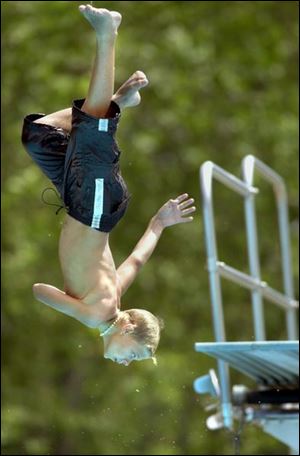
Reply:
x=83, y=165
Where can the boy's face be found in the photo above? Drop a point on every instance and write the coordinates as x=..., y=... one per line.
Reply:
x=123, y=349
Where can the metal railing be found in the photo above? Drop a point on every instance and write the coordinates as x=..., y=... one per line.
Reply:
x=217, y=269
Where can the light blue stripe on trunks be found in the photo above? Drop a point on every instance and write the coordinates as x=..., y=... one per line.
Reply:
x=98, y=203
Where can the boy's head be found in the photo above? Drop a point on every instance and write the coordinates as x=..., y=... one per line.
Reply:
x=134, y=336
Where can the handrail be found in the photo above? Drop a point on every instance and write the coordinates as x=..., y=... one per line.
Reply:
x=251, y=283
x=250, y=164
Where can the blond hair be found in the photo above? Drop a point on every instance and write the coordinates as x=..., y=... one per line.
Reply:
x=147, y=329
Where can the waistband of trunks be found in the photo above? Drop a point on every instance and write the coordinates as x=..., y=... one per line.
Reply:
x=110, y=123
x=32, y=117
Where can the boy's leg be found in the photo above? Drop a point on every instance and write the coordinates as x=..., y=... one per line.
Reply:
x=101, y=86
x=126, y=96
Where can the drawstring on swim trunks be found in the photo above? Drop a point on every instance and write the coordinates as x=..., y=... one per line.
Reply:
x=60, y=206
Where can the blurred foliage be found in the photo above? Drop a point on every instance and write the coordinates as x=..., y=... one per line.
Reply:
x=223, y=84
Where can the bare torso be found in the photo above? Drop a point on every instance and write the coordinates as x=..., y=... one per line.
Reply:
x=88, y=267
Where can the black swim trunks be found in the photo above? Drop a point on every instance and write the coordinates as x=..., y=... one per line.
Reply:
x=83, y=165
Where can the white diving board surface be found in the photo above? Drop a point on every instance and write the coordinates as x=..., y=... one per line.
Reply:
x=268, y=362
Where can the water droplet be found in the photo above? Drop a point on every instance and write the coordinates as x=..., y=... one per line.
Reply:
x=137, y=390
x=79, y=346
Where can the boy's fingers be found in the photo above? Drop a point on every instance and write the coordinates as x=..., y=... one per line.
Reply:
x=188, y=211
x=186, y=203
x=182, y=197
x=187, y=219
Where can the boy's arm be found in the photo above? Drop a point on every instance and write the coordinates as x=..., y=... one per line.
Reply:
x=59, y=300
x=171, y=213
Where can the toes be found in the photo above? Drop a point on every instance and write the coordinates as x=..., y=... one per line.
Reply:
x=139, y=74
x=85, y=10
x=138, y=84
x=116, y=15
x=139, y=79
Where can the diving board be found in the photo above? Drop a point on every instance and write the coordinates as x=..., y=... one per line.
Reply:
x=268, y=363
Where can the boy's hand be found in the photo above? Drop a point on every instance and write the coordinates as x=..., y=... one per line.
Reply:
x=175, y=210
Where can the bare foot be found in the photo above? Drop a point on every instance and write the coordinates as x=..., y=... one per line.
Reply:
x=103, y=21
x=128, y=94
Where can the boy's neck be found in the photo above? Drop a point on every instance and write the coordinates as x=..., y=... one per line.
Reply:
x=107, y=327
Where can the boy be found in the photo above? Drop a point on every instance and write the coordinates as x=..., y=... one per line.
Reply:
x=76, y=149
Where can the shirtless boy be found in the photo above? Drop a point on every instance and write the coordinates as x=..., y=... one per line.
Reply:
x=76, y=149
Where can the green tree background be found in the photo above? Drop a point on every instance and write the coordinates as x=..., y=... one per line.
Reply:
x=223, y=83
